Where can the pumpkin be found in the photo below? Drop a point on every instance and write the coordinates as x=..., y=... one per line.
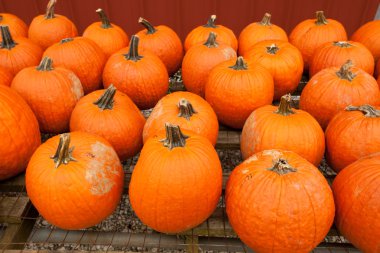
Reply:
x=187, y=110
x=112, y=115
x=19, y=53
x=5, y=77
x=333, y=89
x=19, y=133
x=352, y=134
x=272, y=127
x=245, y=85
x=334, y=54
x=143, y=77
x=83, y=57
x=284, y=62
x=164, y=42
x=51, y=93
x=377, y=70
x=355, y=193
x=277, y=201
x=310, y=34
x=15, y=24
x=200, y=60
x=46, y=30
x=260, y=31
x=177, y=181
x=200, y=34
x=108, y=36
x=369, y=36
x=75, y=180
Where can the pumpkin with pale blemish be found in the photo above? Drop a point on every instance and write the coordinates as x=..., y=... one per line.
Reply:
x=75, y=180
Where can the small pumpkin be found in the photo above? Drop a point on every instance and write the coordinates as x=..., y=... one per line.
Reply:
x=369, y=35
x=20, y=135
x=333, y=89
x=200, y=60
x=5, y=77
x=162, y=41
x=84, y=177
x=113, y=116
x=277, y=201
x=310, y=34
x=143, y=77
x=272, y=127
x=15, y=24
x=260, y=31
x=200, y=34
x=177, y=181
x=235, y=88
x=284, y=62
x=187, y=110
x=52, y=93
x=82, y=56
x=108, y=36
x=334, y=54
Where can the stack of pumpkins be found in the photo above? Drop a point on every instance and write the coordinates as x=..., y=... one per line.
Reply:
x=276, y=200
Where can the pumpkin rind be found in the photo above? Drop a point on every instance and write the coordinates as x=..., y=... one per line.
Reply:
x=369, y=35
x=5, y=77
x=15, y=24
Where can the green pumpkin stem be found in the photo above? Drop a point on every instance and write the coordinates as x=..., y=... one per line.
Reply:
x=211, y=40
x=105, y=101
x=103, y=17
x=147, y=25
x=63, y=154
x=285, y=108
x=66, y=40
x=211, y=22
x=345, y=71
x=272, y=49
x=266, y=19
x=133, y=54
x=240, y=64
x=186, y=109
x=321, y=19
x=50, y=9
x=282, y=167
x=368, y=110
x=343, y=44
x=46, y=64
x=174, y=137
x=6, y=36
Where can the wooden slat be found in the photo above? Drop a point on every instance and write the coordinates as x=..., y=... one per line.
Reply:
x=13, y=209
x=14, y=184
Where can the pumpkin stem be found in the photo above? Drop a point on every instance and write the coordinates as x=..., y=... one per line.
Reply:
x=342, y=44
x=211, y=40
x=266, y=19
x=186, y=109
x=66, y=40
x=282, y=167
x=106, y=99
x=1, y=17
x=174, y=137
x=46, y=64
x=63, y=155
x=50, y=9
x=272, y=49
x=133, y=53
x=211, y=22
x=6, y=36
x=285, y=108
x=368, y=110
x=321, y=19
x=345, y=71
x=103, y=17
x=240, y=64
x=147, y=25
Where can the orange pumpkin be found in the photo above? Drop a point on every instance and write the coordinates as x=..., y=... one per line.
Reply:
x=19, y=53
x=19, y=133
x=310, y=34
x=352, y=134
x=177, y=181
x=260, y=31
x=200, y=60
x=46, y=30
x=112, y=115
x=83, y=57
x=143, y=77
x=235, y=88
x=333, y=89
x=377, y=70
x=108, y=36
x=15, y=24
x=83, y=176
x=188, y=110
x=356, y=190
x=284, y=62
x=272, y=127
x=164, y=42
x=369, y=36
x=200, y=34
x=334, y=54
x=5, y=77
x=277, y=201
x=51, y=93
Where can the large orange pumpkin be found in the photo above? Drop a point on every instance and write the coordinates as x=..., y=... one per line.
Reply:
x=200, y=60
x=52, y=93
x=75, y=180
x=19, y=133
x=112, y=115
x=177, y=181
x=272, y=127
x=5, y=77
x=352, y=134
x=164, y=42
x=108, y=36
x=277, y=201
x=260, y=31
x=235, y=88
x=188, y=110
x=310, y=34
x=369, y=36
x=83, y=57
x=15, y=24
x=284, y=62
x=333, y=89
